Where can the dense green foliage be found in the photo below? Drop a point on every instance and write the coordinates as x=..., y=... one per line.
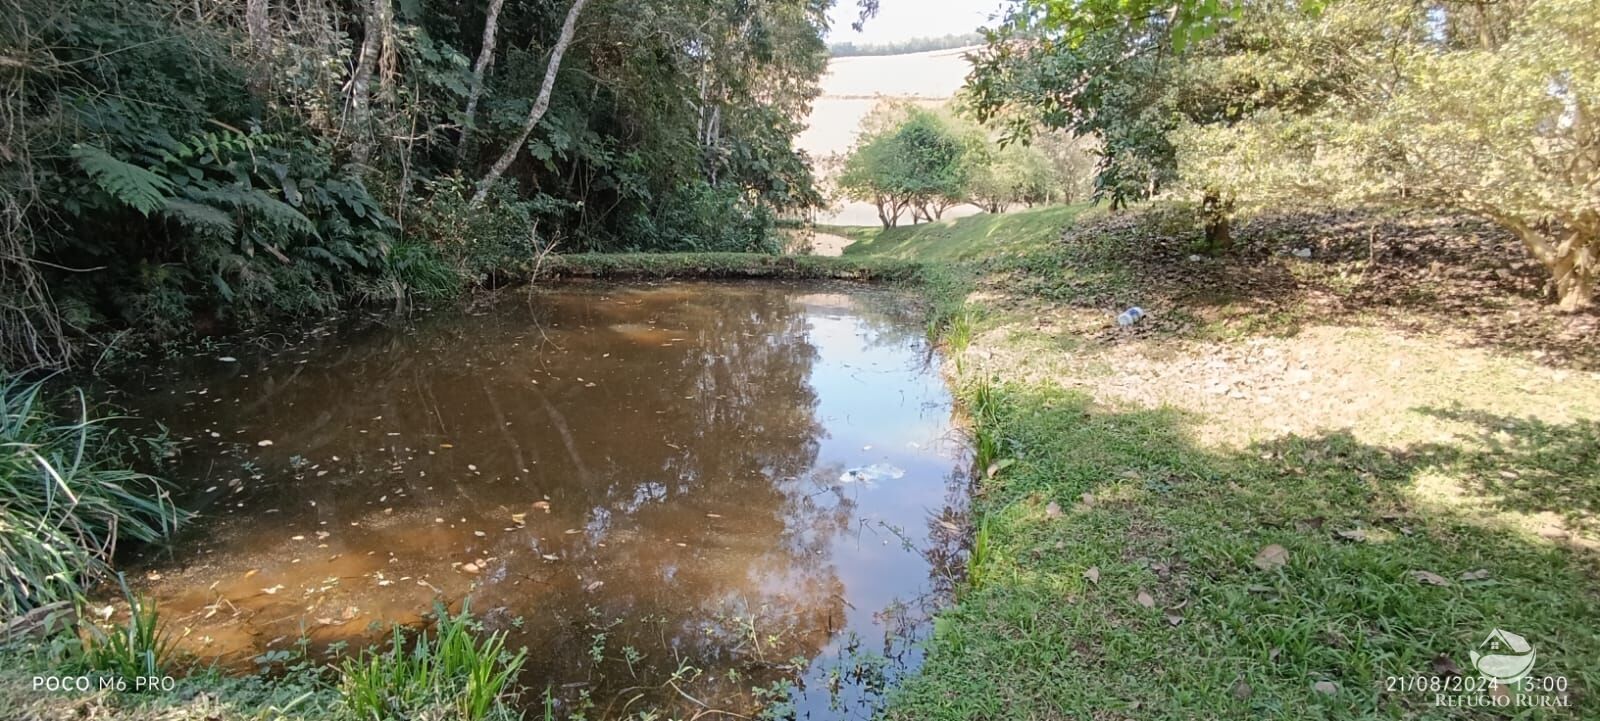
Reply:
x=1451, y=106
x=66, y=500
x=175, y=167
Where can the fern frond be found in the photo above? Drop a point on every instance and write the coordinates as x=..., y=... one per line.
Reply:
x=141, y=189
x=268, y=208
x=199, y=217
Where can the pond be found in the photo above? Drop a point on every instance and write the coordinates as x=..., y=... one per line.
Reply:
x=676, y=496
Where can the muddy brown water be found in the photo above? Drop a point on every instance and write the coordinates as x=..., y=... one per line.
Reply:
x=673, y=495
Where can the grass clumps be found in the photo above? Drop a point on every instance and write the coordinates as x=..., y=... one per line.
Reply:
x=140, y=648
x=449, y=673
x=67, y=499
x=985, y=236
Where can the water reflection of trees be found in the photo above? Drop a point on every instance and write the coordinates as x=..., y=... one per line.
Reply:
x=671, y=433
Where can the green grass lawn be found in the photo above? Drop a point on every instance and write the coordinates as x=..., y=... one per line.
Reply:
x=961, y=239
x=1150, y=545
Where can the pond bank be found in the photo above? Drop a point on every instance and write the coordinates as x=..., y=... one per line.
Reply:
x=722, y=266
x=1292, y=484
x=1269, y=498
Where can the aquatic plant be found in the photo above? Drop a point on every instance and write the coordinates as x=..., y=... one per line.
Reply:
x=139, y=648
x=450, y=669
x=67, y=497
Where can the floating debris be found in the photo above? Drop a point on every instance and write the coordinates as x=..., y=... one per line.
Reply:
x=872, y=474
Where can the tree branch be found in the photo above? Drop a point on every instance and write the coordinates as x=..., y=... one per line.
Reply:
x=540, y=105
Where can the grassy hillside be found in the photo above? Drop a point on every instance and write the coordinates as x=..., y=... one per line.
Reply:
x=1296, y=480
x=984, y=235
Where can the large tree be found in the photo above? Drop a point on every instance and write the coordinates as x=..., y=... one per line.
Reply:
x=909, y=158
x=1489, y=110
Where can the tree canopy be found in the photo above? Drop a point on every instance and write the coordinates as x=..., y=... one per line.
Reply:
x=928, y=160
x=169, y=164
x=1453, y=105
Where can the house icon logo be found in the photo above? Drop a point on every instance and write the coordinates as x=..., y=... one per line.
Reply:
x=1504, y=657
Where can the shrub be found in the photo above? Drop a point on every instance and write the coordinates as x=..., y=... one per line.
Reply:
x=504, y=232
x=67, y=498
x=140, y=648
x=700, y=217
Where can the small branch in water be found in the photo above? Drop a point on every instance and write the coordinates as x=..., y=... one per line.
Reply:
x=703, y=705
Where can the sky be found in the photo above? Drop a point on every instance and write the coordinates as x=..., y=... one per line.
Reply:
x=906, y=19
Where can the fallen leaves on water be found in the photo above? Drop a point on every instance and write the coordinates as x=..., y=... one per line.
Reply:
x=1430, y=578
x=542, y=505
x=1273, y=556
x=519, y=518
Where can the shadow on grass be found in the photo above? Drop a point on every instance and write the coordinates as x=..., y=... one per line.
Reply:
x=1131, y=574
x=1416, y=273
x=1528, y=465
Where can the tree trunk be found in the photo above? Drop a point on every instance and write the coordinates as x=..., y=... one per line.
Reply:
x=378, y=13
x=256, y=25
x=1571, y=255
x=1574, y=285
x=540, y=105
x=1572, y=266
x=1215, y=214
x=475, y=91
